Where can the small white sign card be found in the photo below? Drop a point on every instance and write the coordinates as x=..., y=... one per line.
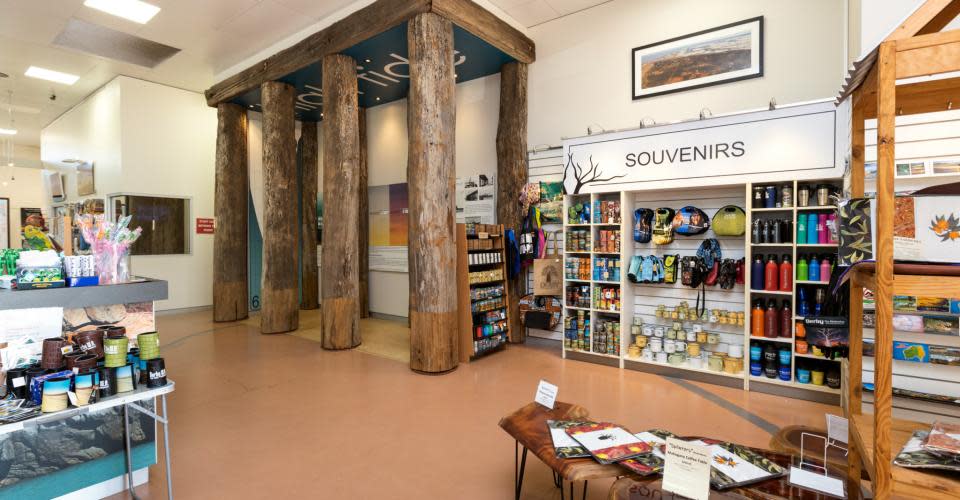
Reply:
x=546, y=394
x=817, y=482
x=686, y=470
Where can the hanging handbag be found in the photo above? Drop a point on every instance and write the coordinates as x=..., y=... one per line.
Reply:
x=730, y=220
x=663, y=226
x=690, y=221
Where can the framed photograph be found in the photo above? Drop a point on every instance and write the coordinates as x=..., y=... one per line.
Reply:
x=718, y=55
x=85, y=185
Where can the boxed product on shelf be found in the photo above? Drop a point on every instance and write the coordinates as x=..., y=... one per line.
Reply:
x=925, y=229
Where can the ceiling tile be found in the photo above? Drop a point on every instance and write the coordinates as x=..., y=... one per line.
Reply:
x=531, y=13
x=316, y=9
x=564, y=7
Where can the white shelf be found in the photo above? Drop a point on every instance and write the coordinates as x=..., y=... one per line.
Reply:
x=782, y=340
x=770, y=292
x=687, y=368
x=812, y=356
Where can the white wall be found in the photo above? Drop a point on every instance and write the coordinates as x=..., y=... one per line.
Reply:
x=582, y=75
x=148, y=139
x=26, y=191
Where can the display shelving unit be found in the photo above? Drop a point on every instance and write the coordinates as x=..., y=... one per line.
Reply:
x=639, y=299
x=794, y=249
x=469, y=243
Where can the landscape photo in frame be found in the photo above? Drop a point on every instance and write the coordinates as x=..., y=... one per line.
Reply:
x=718, y=55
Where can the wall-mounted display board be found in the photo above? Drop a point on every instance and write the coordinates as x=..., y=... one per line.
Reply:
x=796, y=143
x=622, y=312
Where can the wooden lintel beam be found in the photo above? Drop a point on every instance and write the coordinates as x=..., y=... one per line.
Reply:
x=921, y=97
x=366, y=23
x=490, y=28
x=929, y=60
x=343, y=34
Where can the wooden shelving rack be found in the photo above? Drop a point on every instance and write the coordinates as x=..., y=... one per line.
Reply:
x=916, y=48
x=485, y=240
x=795, y=250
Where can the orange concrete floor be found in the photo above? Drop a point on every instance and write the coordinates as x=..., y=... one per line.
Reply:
x=258, y=416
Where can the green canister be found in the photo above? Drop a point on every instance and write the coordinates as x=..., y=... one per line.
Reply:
x=115, y=351
x=149, y=344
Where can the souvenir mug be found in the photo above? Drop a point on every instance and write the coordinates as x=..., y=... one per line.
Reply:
x=669, y=346
x=715, y=363
x=661, y=357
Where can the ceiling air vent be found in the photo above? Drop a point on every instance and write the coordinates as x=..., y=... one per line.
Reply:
x=113, y=44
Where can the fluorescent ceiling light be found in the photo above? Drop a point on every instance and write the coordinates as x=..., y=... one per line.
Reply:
x=133, y=10
x=6, y=131
x=51, y=75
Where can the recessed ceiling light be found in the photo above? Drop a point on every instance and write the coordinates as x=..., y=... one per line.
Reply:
x=7, y=131
x=51, y=75
x=133, y=10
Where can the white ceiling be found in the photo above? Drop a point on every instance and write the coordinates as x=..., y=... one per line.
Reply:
x=532, y=12
x=213, y=35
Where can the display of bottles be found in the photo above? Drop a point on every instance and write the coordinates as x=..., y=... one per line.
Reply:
x=577, y=268
x=771, y=281
x=786, y=274
x=606, y=269
x=756, y=273
x=786, y=319
x=771, y=320
x=756, y=319
x=813, y=269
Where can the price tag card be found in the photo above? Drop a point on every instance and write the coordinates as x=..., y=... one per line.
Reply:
x=817, y=482
x=686, y=470
x=546, y=394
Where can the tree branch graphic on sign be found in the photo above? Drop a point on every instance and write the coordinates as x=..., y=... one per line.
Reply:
x=583, y=177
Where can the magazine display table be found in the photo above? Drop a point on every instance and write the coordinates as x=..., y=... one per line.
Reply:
x=528, y=427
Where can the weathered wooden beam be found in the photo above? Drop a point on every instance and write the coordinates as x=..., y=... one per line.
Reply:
x=230, y=292
x=883, y=371
x=488, y=27
x=279, y=310
x=431, y=178
x=363, y=235
x=857, y=146
x=345, y=33
x=341, y=186
x=512, y=171
x=309, y=184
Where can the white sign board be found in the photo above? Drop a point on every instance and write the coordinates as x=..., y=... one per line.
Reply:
x=765, y=146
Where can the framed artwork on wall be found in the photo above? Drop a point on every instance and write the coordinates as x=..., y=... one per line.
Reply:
x=4, y=223
x=724, y=54
x=85, y=185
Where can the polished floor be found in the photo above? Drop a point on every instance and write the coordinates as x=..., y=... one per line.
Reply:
x=258, y=416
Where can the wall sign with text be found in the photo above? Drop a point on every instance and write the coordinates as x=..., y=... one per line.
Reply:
x=766, y=146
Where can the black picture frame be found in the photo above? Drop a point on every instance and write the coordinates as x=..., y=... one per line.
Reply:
x=759, y=73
